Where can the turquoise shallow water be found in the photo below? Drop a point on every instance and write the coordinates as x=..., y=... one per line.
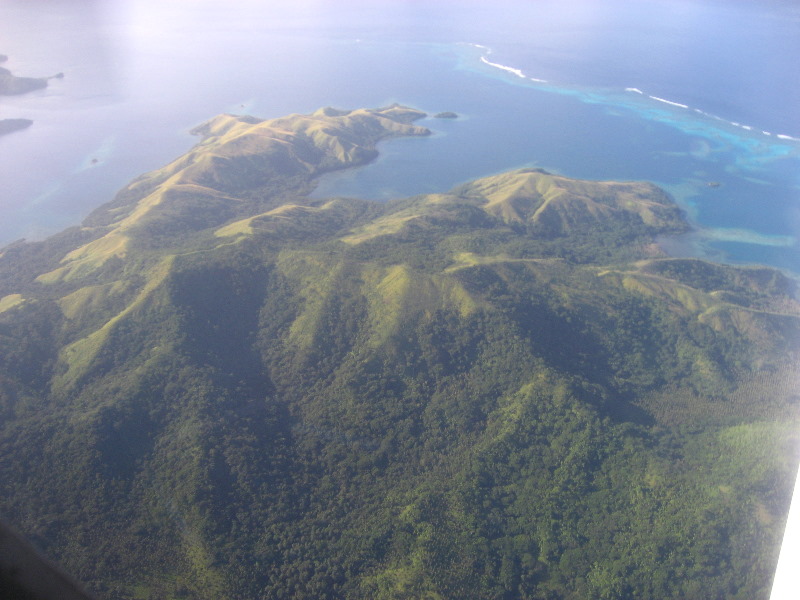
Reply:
x=738, y=184
x=680, y=94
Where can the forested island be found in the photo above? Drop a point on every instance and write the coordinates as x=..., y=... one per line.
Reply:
x=220, y=387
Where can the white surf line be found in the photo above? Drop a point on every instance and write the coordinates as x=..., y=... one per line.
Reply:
x=519, y=73
x=512, y=70
x=713, y=116
x=516, y=72
x=665, y=101
x=787, y=575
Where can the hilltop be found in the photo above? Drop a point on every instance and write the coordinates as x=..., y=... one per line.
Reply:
x=219, y=386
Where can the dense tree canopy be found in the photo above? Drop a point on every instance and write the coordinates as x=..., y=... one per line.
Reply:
x=219, y=387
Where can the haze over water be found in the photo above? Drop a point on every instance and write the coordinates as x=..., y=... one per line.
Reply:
x=676, y=92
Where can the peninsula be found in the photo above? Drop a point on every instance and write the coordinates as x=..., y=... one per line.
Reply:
x=13, y=85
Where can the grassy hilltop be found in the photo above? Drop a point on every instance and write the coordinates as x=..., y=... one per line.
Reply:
x=219, y=387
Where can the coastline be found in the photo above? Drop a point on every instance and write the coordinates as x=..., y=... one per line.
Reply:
x=718, y=149
x=12, y=85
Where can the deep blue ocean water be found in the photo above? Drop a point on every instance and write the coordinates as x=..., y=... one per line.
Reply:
x=679, y=92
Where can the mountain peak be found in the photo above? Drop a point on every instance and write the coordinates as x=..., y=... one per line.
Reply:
x=221, y=387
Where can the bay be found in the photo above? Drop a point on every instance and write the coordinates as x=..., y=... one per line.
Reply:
x=712, y=77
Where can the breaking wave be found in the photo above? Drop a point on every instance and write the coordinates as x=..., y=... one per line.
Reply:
x=670, y=102
x=634, y=90
x=506, y=68
x=516, y=72
x=712, y=116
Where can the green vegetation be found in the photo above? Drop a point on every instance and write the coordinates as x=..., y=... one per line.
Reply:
x=219, y=387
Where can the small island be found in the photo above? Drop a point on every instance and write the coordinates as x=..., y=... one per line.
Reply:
x=12, y=125
x=445, y=115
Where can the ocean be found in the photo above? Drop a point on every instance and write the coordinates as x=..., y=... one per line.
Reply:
x=697, y=96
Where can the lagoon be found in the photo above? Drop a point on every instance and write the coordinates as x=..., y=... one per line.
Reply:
x=683, y=94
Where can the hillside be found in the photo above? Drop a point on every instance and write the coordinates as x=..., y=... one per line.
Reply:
x=220, y=387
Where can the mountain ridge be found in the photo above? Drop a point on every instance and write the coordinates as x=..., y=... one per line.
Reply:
x=221, y=387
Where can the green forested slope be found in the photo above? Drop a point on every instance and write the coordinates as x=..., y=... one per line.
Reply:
x=221, y=388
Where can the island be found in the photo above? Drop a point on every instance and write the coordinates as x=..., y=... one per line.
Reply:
x=221, y=386
x=445, y=115
x=13, y=85
x=11, y=125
